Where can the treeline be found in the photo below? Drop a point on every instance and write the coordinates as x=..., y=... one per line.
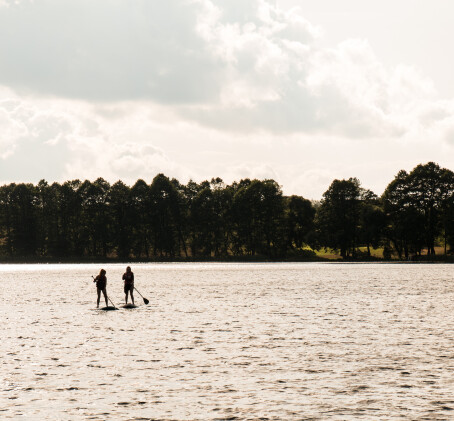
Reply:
x=211, y=220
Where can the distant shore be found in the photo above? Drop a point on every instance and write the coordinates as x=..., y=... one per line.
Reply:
x=232, y=259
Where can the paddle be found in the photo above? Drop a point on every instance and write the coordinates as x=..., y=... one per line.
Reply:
x=144, y=299
x=114, y=306
x=112, y=303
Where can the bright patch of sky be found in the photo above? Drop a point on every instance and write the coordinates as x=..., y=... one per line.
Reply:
x=301, y=91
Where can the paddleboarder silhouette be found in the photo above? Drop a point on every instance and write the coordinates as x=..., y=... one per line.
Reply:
x=101, y=285
x=128, y=277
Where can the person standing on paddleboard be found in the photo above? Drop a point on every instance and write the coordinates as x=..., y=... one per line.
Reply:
x=101, y=285
x=128, y=277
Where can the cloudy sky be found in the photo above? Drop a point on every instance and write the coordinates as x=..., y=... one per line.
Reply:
x=301, y=91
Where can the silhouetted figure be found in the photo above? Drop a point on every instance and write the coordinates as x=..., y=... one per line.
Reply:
x=101, y=284
x=128, y=277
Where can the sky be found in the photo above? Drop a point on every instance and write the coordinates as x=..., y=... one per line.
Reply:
x=300, y=91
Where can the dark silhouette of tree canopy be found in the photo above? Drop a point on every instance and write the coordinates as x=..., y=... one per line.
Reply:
x=141, y=219
x=258, y=211
x=417, y=205
x=211, y=220
x=120, y=218
x=23, y=220
x=372, y=221
x=338, y=216
x=300, y=221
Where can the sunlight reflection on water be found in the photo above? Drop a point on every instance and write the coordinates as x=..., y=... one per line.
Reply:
x=229, y=341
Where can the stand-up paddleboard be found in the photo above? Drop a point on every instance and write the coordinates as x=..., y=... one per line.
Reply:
x=129, y=306
x=109, y=308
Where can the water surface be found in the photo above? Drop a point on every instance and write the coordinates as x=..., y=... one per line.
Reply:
x=229, y=341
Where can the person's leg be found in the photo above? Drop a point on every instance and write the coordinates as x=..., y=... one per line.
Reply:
x=131, y=291
x=104, y=291
x=99, y=297
x=126, y=294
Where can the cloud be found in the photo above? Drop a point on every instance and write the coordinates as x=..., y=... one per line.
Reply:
x=67, y=139
x=11, y=130
x=238, y=66
x=33, y=138
x=124, y=89
x=126, y=161
x=280, y=80
x=106, y=50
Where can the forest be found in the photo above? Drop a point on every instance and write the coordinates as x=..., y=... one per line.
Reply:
x=246, y=220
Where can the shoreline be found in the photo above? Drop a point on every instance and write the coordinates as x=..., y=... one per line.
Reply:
x=47, y=260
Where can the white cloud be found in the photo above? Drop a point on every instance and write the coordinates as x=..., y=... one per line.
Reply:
x=203, y=88
x=113, y=161
x=11, y=131
x=106, y=50
x=237, y=65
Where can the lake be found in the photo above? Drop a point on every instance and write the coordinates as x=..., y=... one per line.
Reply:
x=229, y=341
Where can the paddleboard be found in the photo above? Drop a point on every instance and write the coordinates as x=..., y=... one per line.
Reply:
x=108, y=308
x=129, y=306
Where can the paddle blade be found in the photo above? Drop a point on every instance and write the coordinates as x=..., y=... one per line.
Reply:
x=145, y=301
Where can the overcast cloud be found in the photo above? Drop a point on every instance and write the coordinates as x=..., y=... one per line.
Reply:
x=125, y=89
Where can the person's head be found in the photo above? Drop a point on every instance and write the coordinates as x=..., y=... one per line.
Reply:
x=128, y=269
x=102, y=272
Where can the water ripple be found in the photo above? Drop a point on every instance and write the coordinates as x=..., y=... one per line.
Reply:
x=228, y=342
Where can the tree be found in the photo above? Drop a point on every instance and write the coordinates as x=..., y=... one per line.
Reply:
x=6, y=197
x=417, y=207
x=141, y=218
x=372, y=221
x=120, y=212
x=164, y=216
x=210, y=218
x=300, y=221
x=23, y=220
x=447, y=208
x=95, y=222
x=69, y=199
x=182, y=215
x=202, y=223
x=404, y=223
x=338, y=216
x=258, y=210
x=426, y=193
